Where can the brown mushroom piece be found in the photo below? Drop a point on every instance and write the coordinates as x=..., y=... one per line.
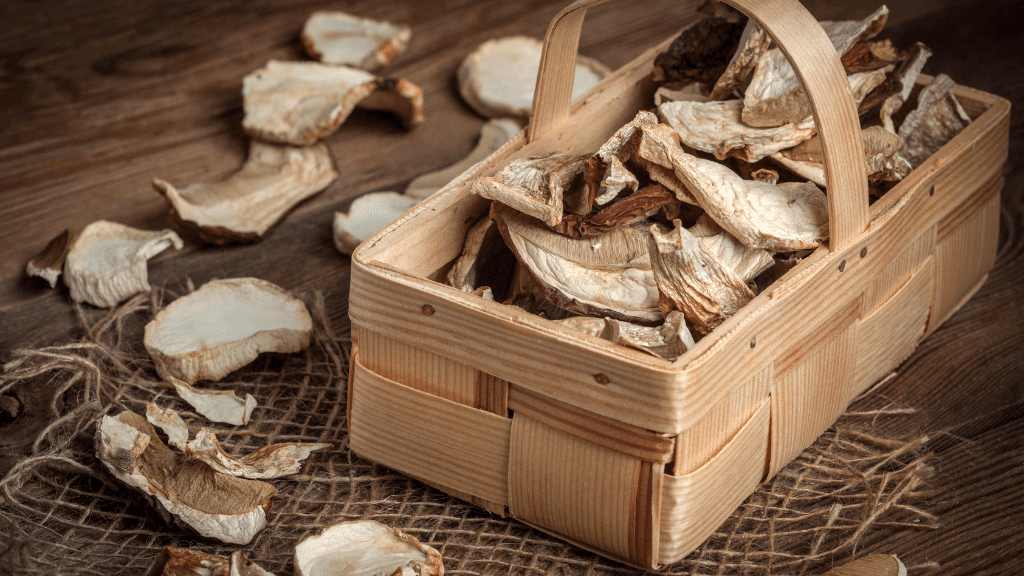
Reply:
x=537, y=185
x=753, y=43
x=223, y=326
x=486, y=264
x=605, y=173
x=634, y=208
x=700, y=53
x=367, y=215
x=49, y=263
x=868, y=56
x=880, y=145
x=190, y=494
x=184, y=562
x=247, y=205
x=895, y=91
x=106, y=264
x=609, y=275
x=264, y=463
x=216, y=405
x=498, y=78
x=171, y=423
x=299, y=103
x=936, y=120
x=341, y=38
x=694, y=92
x=365, y=548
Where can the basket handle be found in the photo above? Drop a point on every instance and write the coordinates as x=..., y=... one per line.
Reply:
x=816, y=63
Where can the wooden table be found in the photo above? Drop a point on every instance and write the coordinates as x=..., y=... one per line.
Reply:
x=98, y=98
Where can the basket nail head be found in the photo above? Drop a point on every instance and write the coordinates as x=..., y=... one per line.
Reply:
x=601, y=379
x=842, y=266
x=428, y=310
x=931, y=190
x=753, y=341
x=863, y=251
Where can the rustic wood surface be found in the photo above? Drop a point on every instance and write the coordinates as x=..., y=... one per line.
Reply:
x=98, y=98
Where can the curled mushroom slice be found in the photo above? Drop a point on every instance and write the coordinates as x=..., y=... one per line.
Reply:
x=634, y=208
x=747, y=263
x=223, y=326
x=263, y=463
x=690, y=279
x=535, y=186
x=190, y=494
x=250, y=202
x=301, y=102
x=808, y=161
x=753, y=43
x=604, y=172
x=171, y=423
x=367, y=215
x=493, y=135
x=668, y=341
x=486, y=265
x=216, y=405
x=106, y=264
x=365, y=548
x=49, y=263
x=867, y=56
x=340, y=38
x=700, y=53
x=498, y=78
x=605, y=276
x=184, y=562
x=936, y=120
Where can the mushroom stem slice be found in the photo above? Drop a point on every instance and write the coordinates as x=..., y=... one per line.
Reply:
x=216, y=405
x=170, y=422
x=247, y=205
x=191, y=494
x=534, y=186
x=365, y=548
x=264, y=463
x=223, y=326
x=49, y=263
x=936, y=120
x=367, y=215
x=634, y=208
x=106, y=264
x=340, y=38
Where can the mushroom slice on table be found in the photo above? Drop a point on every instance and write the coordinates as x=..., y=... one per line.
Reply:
x=223, y=326
x=190, y=494
x=184, y=562
x=367, y=215
x=106, y=264
x=536, y=186
x=341, y=38
x=264, y=463
x=170, y=422
x=301, y=102
x=498, y=78
x=49, y=263
x=249, y=203
x=493, y=135
x=216, y=405
x=365, y=548
x=936, y=120
x=871, y=565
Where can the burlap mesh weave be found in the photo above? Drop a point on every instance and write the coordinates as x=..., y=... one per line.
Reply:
x=61, y=513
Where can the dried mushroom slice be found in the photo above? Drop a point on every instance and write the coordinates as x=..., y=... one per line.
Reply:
x=534, y=186
x=190, y=494
x=301, y=102
x=605, y=276
x=694, y=92
x=486, y=265
x=753, y=43
x=223, y=326
x=498, y=78
x=171, y=423
x=747, y=263
x=700, y=53
x=493, y=135
x=365, y=548
x=216, y=405
x=367, y=215
x=781, y=218
x=867, y=56
x=251, y=202
x=264, y=463
x=936, y=120
x=690, y=279
x=340, y=38
x=808, y=161
x=49, y=263
x=185, y=562
x=605, y=173
x=668, y=341
x=634, y=208
x=106, y=264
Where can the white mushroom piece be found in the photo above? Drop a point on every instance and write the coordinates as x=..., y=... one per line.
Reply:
x=216, y=405
x=247, y=205
x=301, y=102
x=605, y=172
x=498, y=78
x=936, y=120
x=667, y=341
x=781, y=218
x=223, y=326
x=537, y=186
x=106, y=264
x=49, y=263
x=880, y=145
x=264, y=463
x=493, y=135
x=170, y=422
x=190, y=494
x=747, y=263
x=184, y=562
x=365, y=548
x=367, y=215
x=340, y=38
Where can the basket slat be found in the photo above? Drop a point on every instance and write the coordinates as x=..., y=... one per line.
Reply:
x=899, y=272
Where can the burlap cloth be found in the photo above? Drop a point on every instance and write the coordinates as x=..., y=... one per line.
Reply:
x=61, y=513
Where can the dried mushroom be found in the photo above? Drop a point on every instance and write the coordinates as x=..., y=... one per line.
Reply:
x=634, y=208
x=263, y=463
x=694, y=92
x=753, y=43
x=365, y=548
x=936, y=120
x=49, y=263
x=493, y=135
x=536, y=186
x=880, y=145
x=190, y=494
x=747, y=263
x=867, y=56
x=700, y=53
x=668, y=340
x=223, y=326
x=301, y=102
x=249, y=203
x=216, y=405
x=367, y=215
x=498, y=78
x=106, y=264
x=185, y=562
x=605, y=172
x=871, y=565
x=171, y=423
x=340, y=38
x=485, y=264
x=898, y=85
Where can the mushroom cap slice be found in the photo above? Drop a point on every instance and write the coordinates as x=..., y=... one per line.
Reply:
x=247, y=205
x=535, y=186
x=754, y=41
x=604, y=173
x=271, y=461
x=367, y=215
x=668, y=341
x=191, y=494
x=808, y=161
x=936, y=120
x=184, y=562
x=49, y=263
x=106, y=264
x=340, y=38
x=223, y=326
x=170, y=422
x=217, y=405
x=634, y=208
x=365, y=548
x=301, y=102
x=498, y=78
x=700, y=53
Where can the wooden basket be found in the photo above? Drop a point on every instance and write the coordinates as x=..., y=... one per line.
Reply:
x=635, y=457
